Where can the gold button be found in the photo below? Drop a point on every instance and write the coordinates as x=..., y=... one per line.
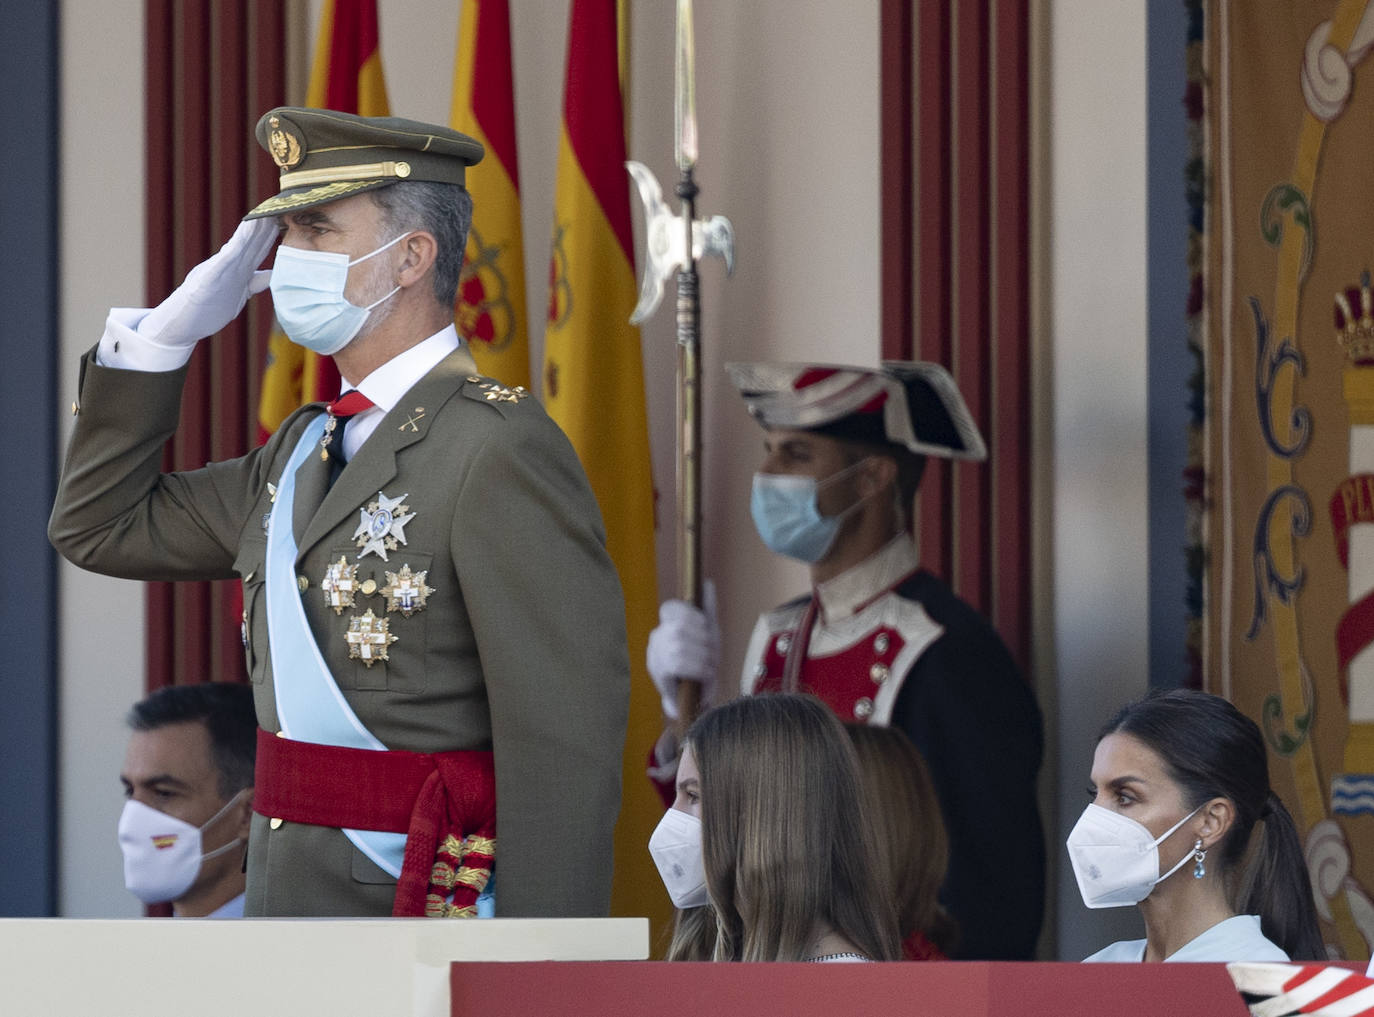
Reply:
x=369, y=587
x=863, y=709
x=302, y=583
x=784, y=642
x=403, y=169
x=880, y=643
x=275, y=823
x=878, y=672
x=281, y=734
x=76, y=407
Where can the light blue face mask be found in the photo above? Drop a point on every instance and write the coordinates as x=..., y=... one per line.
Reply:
x=308, y=294
x=787, y=516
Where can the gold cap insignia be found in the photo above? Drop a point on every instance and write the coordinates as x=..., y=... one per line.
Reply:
x=285, y=149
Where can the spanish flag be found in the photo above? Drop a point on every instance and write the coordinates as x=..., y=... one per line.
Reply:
x=346, y=76
x=594, y=388
x=490, y=308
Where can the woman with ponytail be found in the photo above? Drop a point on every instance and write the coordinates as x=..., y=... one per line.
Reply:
x=1183, y=824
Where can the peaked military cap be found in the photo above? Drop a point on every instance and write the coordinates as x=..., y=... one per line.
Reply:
x=911, y=403
x=325, y=155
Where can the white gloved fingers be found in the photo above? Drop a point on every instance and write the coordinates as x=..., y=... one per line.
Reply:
x=213, y=292
x=257, y=236
x=684, y=646
x=688, y=641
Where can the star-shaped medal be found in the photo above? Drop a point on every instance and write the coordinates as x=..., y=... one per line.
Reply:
x=382, y=526
x=368, y=638
x=339, y=584
x=406, y=591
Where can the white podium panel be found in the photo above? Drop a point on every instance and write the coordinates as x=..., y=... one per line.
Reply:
x=226, y=968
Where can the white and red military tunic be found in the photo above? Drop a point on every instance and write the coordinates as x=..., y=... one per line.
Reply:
x=888, y=643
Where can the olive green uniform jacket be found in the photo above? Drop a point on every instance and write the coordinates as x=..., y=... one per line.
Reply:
x=520, y=648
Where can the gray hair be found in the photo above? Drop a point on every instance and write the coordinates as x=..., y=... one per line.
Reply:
x=444, y=210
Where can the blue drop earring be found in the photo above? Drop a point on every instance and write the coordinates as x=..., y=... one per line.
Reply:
x=1199, y=870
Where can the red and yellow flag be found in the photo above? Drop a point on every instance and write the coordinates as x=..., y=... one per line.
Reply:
x=347, y=76
x=490, y=309
x=594, y=388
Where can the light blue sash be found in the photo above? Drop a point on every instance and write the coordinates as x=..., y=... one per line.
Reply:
x=310, y=706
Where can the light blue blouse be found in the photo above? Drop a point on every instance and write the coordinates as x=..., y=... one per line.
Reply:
x=1235, y=939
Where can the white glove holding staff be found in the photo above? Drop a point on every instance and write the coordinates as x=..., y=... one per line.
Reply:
x=685, y=647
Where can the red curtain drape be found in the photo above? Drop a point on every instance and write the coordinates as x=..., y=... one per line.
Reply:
x=212, y=69
x=956, y=278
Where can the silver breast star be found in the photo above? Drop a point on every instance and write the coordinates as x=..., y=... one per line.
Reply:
x=383, y=526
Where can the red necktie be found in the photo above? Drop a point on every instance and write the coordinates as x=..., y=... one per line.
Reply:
x=350, y=404
x=341, y=410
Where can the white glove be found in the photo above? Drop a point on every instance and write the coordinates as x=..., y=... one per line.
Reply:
x=685, y=647
x=215, y=291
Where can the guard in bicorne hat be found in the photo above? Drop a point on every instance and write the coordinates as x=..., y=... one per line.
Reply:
x=878, y=638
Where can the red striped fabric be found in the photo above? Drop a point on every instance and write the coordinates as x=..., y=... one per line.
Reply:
x=211, y=70
x=354, y=41
x=956, y=283
x=494, y=106
x=592, y=112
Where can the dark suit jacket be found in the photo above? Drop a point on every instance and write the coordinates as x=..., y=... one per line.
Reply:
x=520, y=648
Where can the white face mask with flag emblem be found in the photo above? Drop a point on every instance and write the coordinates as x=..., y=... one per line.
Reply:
x=162, y=853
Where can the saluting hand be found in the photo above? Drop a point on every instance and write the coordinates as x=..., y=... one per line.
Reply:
x=215, y=291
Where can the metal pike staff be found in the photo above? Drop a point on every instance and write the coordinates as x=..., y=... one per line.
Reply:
x=674, y=244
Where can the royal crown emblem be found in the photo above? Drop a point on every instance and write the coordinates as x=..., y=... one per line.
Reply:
x=1355, y=321
x=484, y=312
x=285, y=149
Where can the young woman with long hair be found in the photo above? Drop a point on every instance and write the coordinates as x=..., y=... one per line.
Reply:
x=768, y=786
x=909, y=836
x=1184, y=824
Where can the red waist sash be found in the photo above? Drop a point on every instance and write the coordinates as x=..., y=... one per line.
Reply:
x=445, y=803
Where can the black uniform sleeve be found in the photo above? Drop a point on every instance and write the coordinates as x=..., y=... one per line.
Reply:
x=966, y=707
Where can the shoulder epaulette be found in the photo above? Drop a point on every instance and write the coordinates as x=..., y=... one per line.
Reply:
x=490, y=390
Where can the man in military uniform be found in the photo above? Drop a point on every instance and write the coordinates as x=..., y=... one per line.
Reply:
x=431, y=619
x=879, y=639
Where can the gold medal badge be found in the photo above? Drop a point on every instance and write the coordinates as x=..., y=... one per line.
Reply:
x=369, y=638
x=405, y=591
x=340, y=584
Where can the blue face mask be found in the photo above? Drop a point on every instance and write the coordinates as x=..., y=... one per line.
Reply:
x=787, y=516
x=308, y=294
